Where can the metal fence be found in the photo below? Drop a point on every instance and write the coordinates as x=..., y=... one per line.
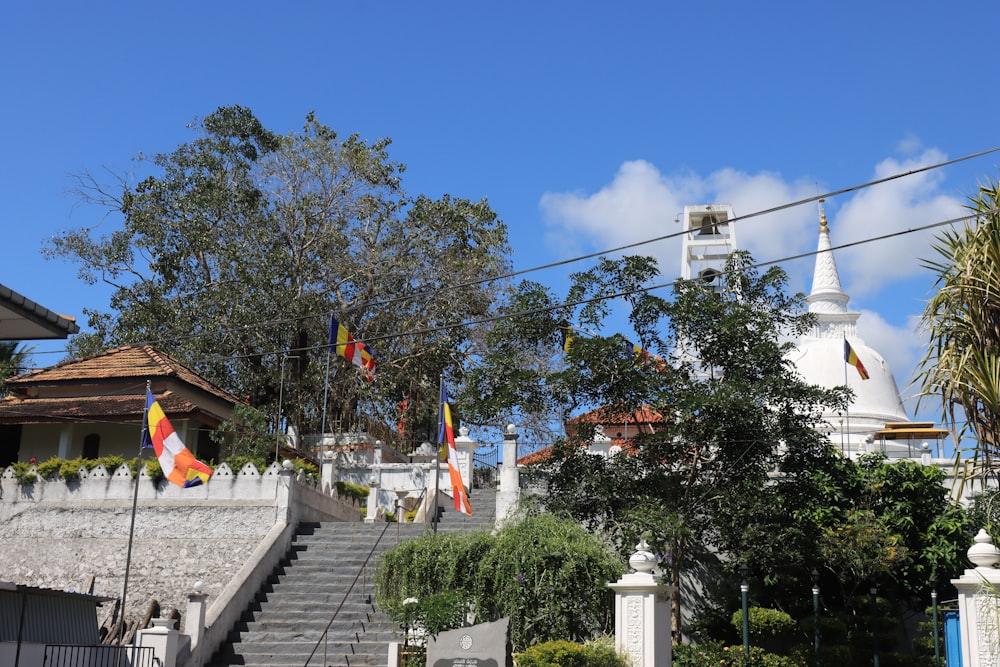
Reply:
x=62, y=655
x=484, y=468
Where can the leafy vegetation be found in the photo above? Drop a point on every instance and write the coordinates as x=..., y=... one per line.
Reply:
x=962, y=365
x=561, y=653
x=548, y=575
x=731, y=408
x=232, y=251
x=355, y=492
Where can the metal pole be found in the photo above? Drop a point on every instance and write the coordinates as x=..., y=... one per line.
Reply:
x=131, y=528
x=744, y=592
x=815, y=592
x=873, y=591
x=934, y=616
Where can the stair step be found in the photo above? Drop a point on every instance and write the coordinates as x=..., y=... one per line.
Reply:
x=294, y=608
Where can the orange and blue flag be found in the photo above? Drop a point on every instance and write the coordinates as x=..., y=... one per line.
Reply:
x=178, y=464
x=446, y=435
x=354, y=351
x=851, y=357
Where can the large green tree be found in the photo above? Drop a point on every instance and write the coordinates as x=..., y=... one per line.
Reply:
x=962, y=363
x=735, y=414
x=238, y=246
x=14, y=359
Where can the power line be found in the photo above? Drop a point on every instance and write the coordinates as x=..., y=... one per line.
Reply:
x=607, y=297
x=609, y=251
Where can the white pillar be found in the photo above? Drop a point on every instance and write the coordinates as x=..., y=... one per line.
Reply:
x=979, y=605
x=163, y=639
x=65, y=441
x=373, y=486
x=642, y=612
x=328, y=475
x=194, y=621
x=510, y=477
x=464, y=449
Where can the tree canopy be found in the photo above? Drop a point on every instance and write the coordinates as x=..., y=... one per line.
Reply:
x=734, y=413
x=234, y=252
x=962, y=320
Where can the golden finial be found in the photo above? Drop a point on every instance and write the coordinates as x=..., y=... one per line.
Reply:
x=822, y=217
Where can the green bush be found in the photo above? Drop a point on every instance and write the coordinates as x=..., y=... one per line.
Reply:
x=717, y=654
x=561, y=653
x=355, y=492
x=765, y=623
x=23, y=473
x=548, y=575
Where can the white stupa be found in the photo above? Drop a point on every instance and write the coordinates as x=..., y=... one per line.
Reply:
x=821, y=360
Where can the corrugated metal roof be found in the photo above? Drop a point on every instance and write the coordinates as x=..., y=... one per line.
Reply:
x=49, y=616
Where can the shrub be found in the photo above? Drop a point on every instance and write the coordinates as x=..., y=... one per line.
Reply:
x=765, y=623
x=356, y=492
x=561, y=653
x=717, y=654
x=23, y=473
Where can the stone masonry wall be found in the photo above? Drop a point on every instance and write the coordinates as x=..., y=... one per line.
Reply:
x=59, y=535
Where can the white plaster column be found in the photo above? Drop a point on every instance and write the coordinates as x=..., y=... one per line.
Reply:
x=464, y=449
x=65, y=441
x=642, y=612
x=163, y=639
x=194, y=621
x=979, y=605
x=328, y=473
x=373, y=486
x=510, y=477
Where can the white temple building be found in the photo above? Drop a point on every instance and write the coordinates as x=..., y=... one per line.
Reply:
x=876, y=419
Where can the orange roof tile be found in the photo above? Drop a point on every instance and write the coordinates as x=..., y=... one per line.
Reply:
x=126, y=362
x=125, y=408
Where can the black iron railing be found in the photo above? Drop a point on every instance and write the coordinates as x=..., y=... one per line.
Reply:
x=65, y=655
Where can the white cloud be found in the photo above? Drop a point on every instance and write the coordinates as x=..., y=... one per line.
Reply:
x=898, y=205
x=638, y=204
x=901, y=346
x=641, y=203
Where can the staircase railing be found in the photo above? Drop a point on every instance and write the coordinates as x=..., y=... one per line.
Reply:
x=324, y=638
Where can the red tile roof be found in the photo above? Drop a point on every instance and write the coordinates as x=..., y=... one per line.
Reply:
x=111, y=386
x=126, y=408
x=619, y=426
x=139, y=362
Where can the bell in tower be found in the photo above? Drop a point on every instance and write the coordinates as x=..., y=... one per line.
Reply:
x=708, y=240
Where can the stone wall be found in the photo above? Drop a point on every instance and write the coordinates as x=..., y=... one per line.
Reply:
x=63, y=535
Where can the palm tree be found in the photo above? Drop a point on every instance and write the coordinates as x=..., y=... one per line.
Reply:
x=13, y=360
x=962, y=363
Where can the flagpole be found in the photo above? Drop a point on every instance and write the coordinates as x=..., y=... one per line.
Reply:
x=326, y=382
x=437, y=454
x=847, y=409
x=131, y=528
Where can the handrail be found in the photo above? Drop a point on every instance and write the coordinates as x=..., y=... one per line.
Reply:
x=326, y=631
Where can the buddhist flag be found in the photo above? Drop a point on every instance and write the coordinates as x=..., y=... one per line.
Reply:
x=567, y=335
x=851, y=357
x=447, y=436
x=644, y=356
x=178, y=464
x=354, y=351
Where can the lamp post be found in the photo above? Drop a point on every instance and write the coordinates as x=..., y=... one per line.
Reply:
x=873, y=591
x=400, y=494
x=814, y=575
x=934, y=618
x=744, y=591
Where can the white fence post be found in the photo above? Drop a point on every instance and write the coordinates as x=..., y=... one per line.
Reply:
x=642, y=612
x=979, y=605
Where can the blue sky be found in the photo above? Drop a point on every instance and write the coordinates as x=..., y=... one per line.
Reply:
x=586, y=124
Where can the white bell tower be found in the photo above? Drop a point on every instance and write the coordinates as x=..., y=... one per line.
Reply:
x=709, y=238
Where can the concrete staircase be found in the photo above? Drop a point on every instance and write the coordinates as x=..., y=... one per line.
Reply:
x=328, y=580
